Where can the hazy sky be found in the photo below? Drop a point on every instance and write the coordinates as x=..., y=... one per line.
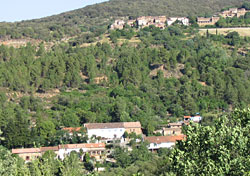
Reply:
x=17, y=10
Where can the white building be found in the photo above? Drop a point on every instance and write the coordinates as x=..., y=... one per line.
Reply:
x=61, y=151
x=118, y=24
x=183, y=20
x=196, y=118
x=95, y=150
x=157, y=142
x=112, y=131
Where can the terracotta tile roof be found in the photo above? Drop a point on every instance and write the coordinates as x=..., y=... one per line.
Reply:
x=71, y=146
x=44, y=149
x=172, y=129
x=84, y=145
x=187, y=116
x=164, y=139
x=72, y=129
x=99, y=145
x=103, y=125
x=112, y=125
x=175, y=124
x=132, y=124
x=26, y=150
x=199, y=19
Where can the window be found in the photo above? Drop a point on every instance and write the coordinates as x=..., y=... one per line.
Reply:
x=27, y=158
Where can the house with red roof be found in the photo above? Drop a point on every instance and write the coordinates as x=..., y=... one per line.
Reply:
x=157, y=142
x=112, y=131
x=27, y=154
x=61, y=151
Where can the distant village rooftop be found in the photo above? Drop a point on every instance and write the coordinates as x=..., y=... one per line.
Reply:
x=164, y=139
x=112, y=125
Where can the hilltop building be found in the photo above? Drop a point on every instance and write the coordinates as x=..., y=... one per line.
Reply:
x=145, y=21
x=183, y=20
x=196, y=119
x=233, y=12
x=201, y=21
x=118, y=24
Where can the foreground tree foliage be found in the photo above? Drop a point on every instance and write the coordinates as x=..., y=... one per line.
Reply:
x=221, y=149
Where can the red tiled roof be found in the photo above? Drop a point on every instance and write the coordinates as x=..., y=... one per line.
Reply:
x=164, y=139
x=103, y=125
x=132, y=124
x=175, y=124
x=187, y=116
x=99, y=145
x=44, y=149
x=72, y=129
x=203, y=19
x=26, y=150
x=172, y=129
x=84, y=145
x=112, y=125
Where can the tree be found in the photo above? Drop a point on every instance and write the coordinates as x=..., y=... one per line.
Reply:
x=71, y=165
x=222, y=149
x=8, y=165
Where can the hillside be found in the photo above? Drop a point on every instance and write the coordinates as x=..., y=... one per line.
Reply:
x=97, y=17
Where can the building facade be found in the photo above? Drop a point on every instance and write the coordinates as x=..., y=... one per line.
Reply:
x=157, y=142
x=61, y=151
x=201, y=21
x=112, y=131
x=183, y=20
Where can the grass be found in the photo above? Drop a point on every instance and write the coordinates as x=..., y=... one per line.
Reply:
x=224, y=31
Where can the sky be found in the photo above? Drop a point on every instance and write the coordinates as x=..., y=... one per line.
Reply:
x=18, y=10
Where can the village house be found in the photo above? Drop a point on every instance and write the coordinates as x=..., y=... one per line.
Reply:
x=131, y=23
x=145, y=21
x=233, y=12
x=171, y=131
x=112, y=131
x=157, y=142
x=28, y=154
x=45, y=149
x=196, y=119
x=118, y=24
x=201, y=21
x=61, y=151
x=94, y=150
x=183, y=20
x=175, y=125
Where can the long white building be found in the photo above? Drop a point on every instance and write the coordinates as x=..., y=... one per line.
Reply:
x=112, y=131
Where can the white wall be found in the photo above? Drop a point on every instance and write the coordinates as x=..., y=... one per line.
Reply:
x=64, y=152
x=162, y=145
x=108, y=133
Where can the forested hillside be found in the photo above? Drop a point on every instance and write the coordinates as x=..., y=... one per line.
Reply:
x=151, y=75
x=167, y=74
x=96, y=18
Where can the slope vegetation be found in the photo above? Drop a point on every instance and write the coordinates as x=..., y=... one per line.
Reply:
x=97, y=17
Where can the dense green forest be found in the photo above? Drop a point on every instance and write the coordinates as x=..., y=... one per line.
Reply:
x=168, y=74
x=149, y=75
x=96, y=18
